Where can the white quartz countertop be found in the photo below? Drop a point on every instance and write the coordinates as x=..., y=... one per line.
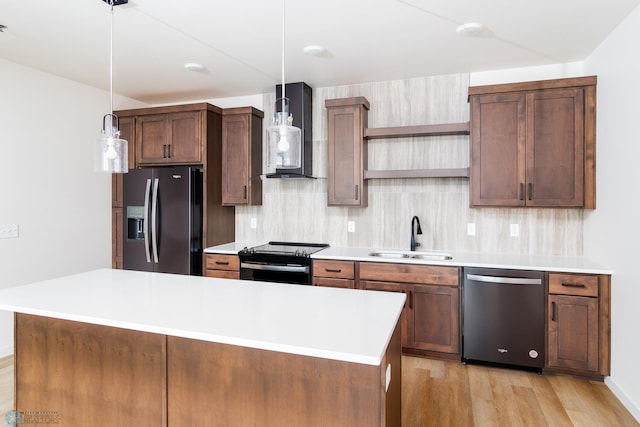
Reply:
x=483, y=260
x=340, y=324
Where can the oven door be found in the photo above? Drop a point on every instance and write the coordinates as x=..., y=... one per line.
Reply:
x=298, y=274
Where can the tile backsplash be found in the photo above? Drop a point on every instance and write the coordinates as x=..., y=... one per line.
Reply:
x=296, y=209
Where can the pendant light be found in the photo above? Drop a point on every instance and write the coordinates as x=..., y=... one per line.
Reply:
x=111, y=151
x=283, y=139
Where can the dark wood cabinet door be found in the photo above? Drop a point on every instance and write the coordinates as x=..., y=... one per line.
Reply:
x=152, y=139
x=235, y=163
x=555, y=148
x=346, y=156
x=573, y=332
x=433, y=318
x=498, y=138
x=242, y=156
x=185, y=138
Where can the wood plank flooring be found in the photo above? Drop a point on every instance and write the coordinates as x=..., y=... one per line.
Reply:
x=444, y=393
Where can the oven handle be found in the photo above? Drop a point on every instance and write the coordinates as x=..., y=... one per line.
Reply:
x=271, y=267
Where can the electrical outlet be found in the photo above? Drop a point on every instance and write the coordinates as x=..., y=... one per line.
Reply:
x=514, y=230
x=254, y=223
x=471, y=229
x=8, y=231
x=351, y=226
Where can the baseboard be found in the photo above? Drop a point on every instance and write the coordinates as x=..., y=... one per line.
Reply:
x=623, y=398
x=6, y=351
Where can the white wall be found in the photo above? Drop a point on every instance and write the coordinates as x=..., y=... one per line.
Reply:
x=611, y=232
x=47, y=183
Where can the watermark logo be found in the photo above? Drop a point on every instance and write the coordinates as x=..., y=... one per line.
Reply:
x=14, y=418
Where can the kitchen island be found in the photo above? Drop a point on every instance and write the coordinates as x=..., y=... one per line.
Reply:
x=113, y=347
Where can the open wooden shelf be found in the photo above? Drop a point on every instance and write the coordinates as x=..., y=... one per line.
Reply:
x=423, y=130
x=418, y=173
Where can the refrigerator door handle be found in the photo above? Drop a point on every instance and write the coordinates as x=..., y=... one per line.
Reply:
x=147, y=247
x=154, y=220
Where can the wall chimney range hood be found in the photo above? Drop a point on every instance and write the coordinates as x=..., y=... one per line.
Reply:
x=299, y=95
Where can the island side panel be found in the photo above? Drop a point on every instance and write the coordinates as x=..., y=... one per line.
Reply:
x=392, y=398
x=90, y=375
x=224, y=385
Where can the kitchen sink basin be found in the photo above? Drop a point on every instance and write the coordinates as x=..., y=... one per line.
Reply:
x=427, y=256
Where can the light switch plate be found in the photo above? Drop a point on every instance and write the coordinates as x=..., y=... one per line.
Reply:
x=254, y=223
x=351, y=226
x=514, y=230
x=8, y=231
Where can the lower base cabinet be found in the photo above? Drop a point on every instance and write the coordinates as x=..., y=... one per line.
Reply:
x=578, y=324
x=431, y=318
x=222, y=266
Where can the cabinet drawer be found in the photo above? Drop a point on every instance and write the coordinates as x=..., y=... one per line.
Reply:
x=222, y=262
x=334, y=283
x=222, y=274
x=573, y=284
x=338, y=269
x=409, y=273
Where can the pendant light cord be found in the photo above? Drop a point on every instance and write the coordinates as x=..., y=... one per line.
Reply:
x=111, y=63
x=283, y=35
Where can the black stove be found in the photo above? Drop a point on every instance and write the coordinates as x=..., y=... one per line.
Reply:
x=286, y=262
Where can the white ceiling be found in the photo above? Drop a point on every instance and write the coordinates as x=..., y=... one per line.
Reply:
x=239, y=41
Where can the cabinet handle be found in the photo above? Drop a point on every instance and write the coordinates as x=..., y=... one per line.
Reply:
x=164, y=151
x=169, y=150
x=244, y=192
x=530, y=191
x=333, y=270
x=553, y=311
x=411, y=300
x=356, y=192
x=522, y=191
x=222, y=262
x=574, y=285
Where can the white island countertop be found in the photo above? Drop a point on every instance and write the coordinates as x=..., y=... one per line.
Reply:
x=339, y=324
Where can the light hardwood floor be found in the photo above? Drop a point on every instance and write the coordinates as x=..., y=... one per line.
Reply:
x=442, y=393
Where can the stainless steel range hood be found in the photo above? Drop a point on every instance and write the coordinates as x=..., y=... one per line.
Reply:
x=299, y=95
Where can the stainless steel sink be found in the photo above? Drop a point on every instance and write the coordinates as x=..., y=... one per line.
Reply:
x=427, y=256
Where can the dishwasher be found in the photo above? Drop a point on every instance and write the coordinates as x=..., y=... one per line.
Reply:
x=503, y=317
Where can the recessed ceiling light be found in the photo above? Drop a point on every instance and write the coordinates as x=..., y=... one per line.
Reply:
x=470, y=29
x=193, y=66
x=2, y=28
x=314, y=50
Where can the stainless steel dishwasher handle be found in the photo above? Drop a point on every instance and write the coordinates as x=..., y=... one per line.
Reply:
x=505, y=280
x=271, y=267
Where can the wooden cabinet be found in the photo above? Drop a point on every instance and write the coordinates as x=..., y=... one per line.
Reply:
x=335, y=274
x=222, y=266
x=431, y=319
x=578, y=323
x=533, y=144
x=175, y=137
x=182, y=134
x=347, y=154
x=242, y=156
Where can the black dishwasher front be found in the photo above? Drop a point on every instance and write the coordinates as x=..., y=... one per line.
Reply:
x=503, y=317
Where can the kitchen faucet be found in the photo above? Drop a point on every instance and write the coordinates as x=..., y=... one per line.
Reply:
x=415, y=244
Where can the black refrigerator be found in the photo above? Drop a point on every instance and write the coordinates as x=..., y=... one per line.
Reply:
x=163, y=220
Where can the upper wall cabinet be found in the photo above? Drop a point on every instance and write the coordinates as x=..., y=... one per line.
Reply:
x=533, y=144
x=241, y=156
x=347, y=154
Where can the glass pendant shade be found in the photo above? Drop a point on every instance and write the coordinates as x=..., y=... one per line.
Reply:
x=112, y=153
x=284, y=141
